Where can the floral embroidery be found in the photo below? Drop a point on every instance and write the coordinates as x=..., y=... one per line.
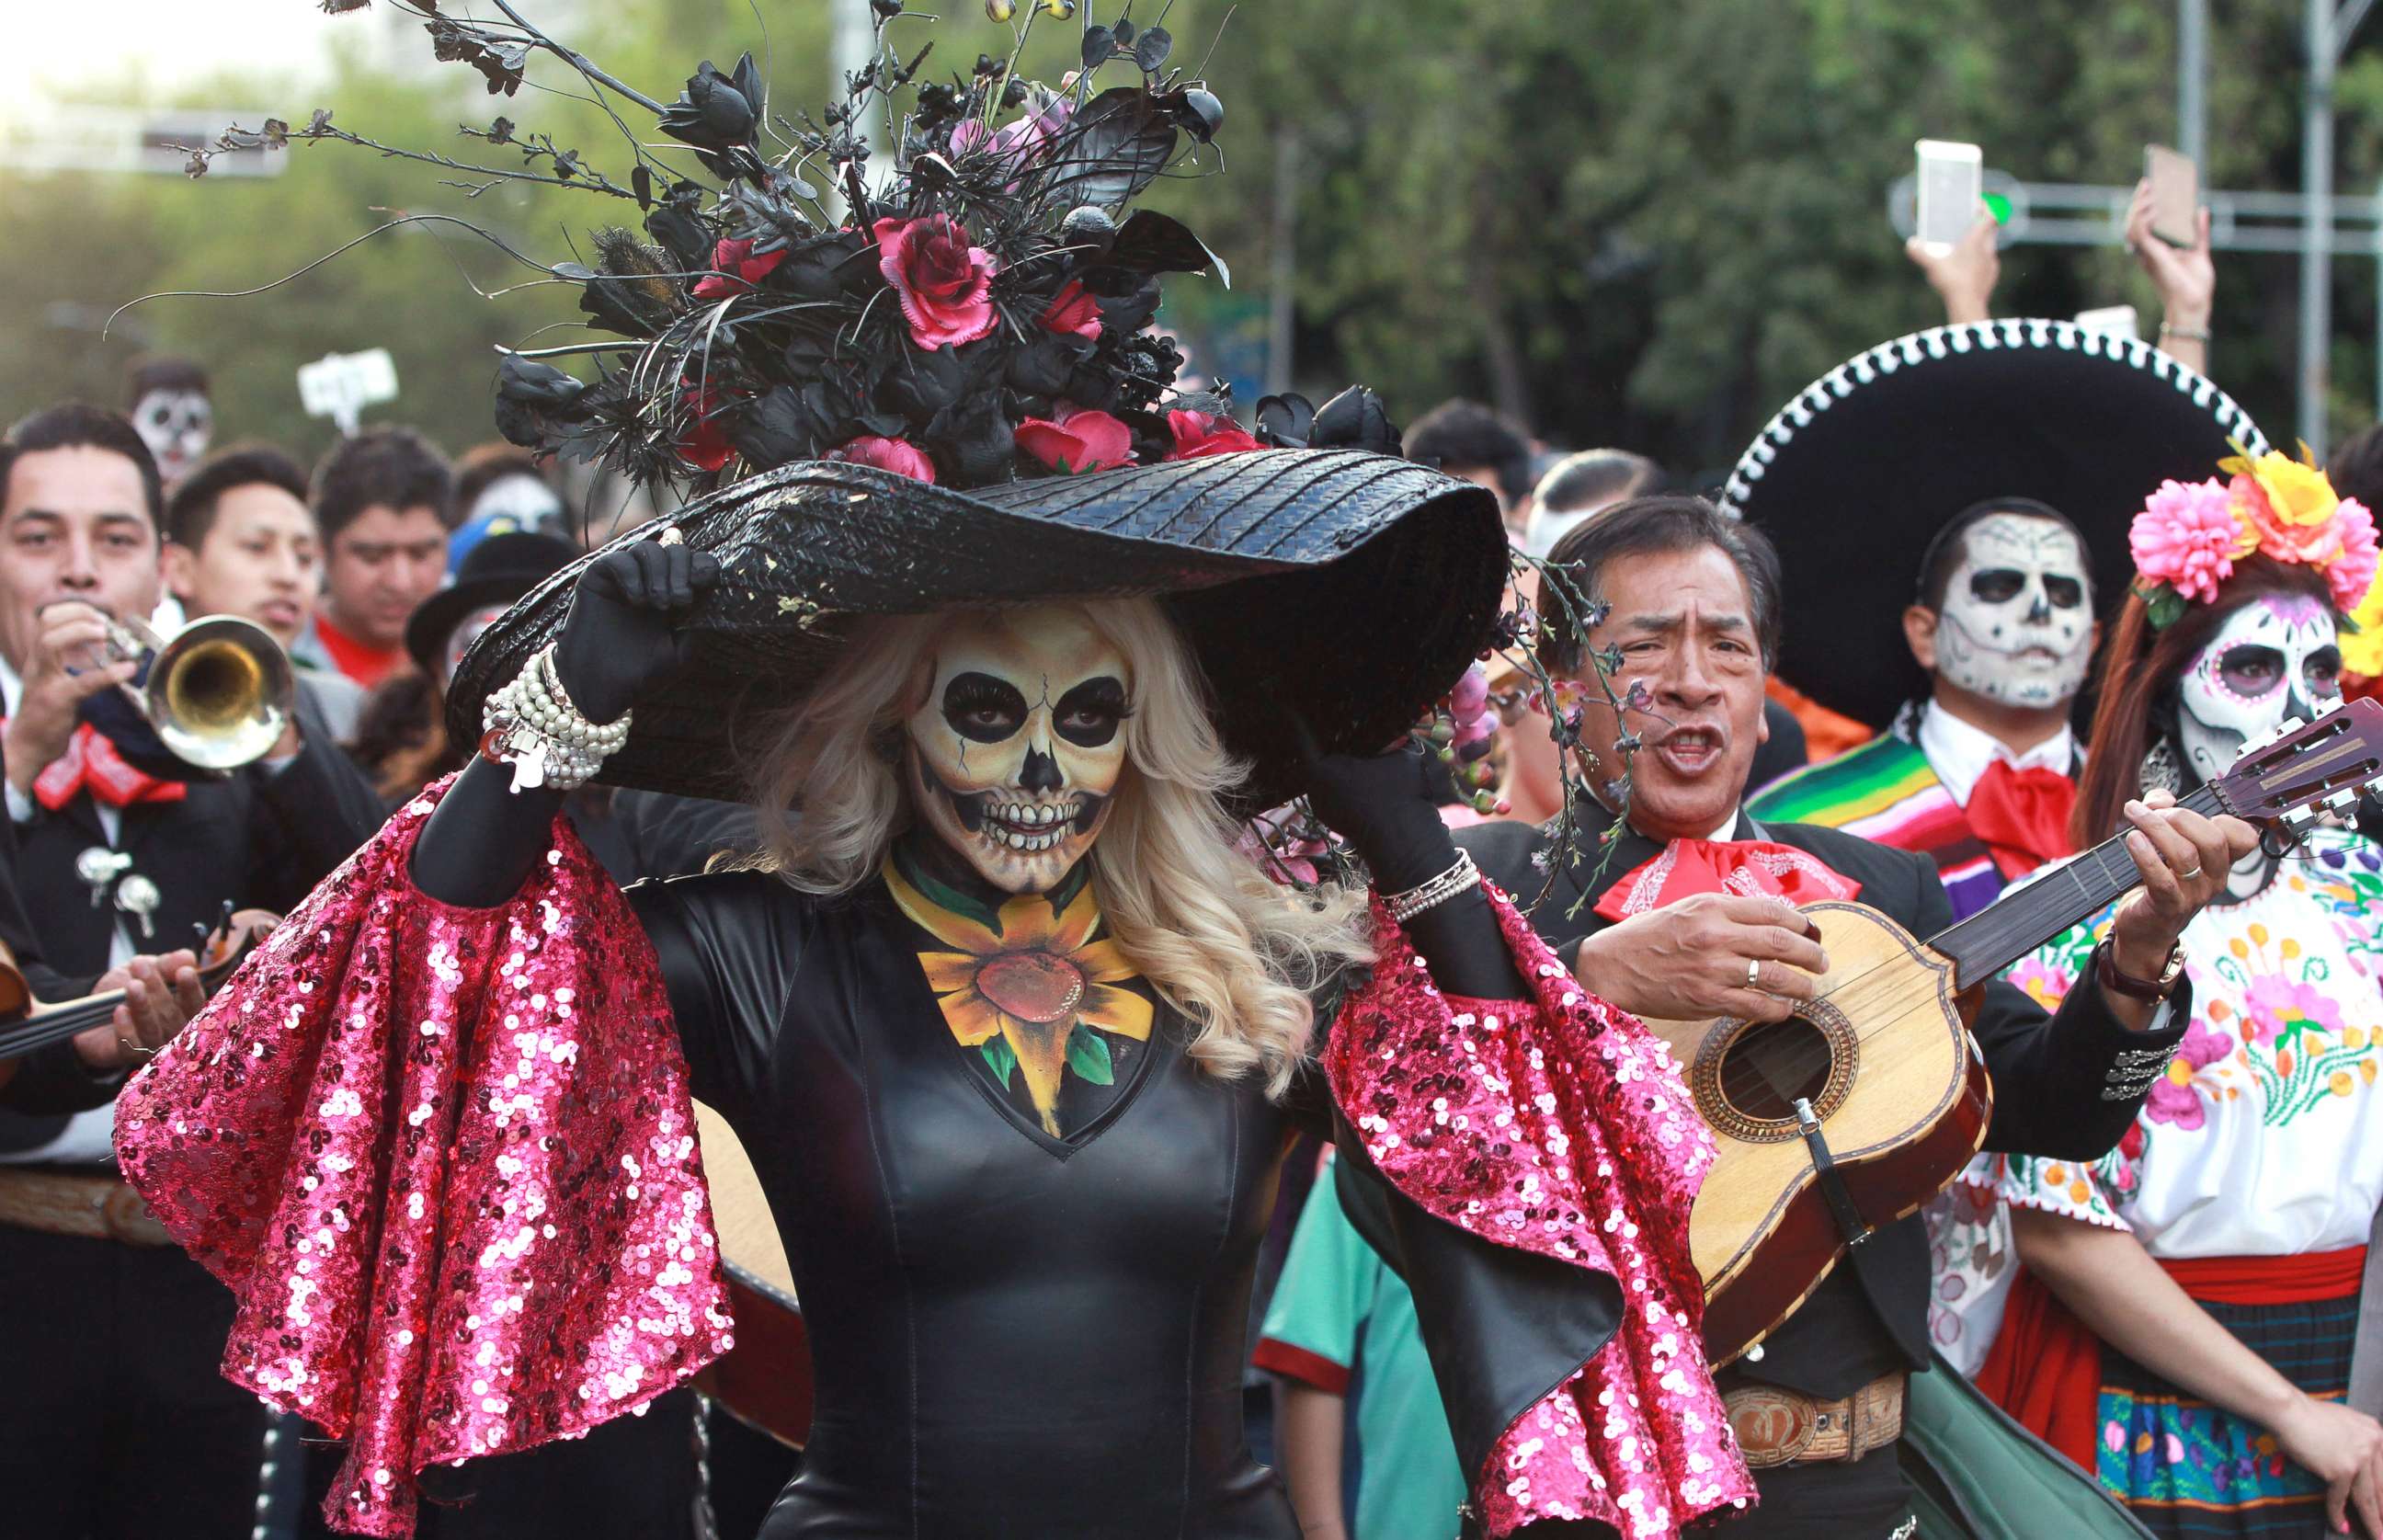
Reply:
x=2174, y=1098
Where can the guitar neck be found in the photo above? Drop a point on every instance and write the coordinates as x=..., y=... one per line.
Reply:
x=2016, y=923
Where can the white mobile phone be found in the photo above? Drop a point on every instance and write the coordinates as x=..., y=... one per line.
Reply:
x=2113, y=321
x=2176, y=195
x=1949, y=179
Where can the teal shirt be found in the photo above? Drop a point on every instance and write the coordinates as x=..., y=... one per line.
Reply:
x=1339, y=1314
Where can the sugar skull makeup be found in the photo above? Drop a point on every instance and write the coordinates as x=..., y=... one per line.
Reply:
x=1017, y=750
x=2275, y=657
x=2016, y=625
x=177, y=425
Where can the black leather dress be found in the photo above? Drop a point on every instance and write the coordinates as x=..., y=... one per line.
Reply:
x=1013, y=1336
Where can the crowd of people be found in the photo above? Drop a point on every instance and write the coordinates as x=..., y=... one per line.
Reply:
x=1402, y=1205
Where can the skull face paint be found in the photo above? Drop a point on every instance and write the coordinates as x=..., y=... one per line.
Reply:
x=1016, y=752
x=2015, y=626
x=2275, y=657
x=178, y=426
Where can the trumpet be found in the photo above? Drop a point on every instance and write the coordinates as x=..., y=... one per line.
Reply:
x=218, y=693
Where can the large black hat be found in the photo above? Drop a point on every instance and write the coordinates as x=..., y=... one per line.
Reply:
x=1343, y=588
x=1859, y=472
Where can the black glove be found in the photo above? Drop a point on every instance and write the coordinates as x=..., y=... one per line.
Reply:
x=622, y=637
x=1381, y=803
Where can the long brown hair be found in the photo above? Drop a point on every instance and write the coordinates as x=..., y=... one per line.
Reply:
x=2140, y=670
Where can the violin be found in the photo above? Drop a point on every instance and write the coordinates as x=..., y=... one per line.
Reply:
x=28, y=1023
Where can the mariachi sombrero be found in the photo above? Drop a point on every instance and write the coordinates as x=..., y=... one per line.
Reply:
x=1342, y=588
x=1857, y=475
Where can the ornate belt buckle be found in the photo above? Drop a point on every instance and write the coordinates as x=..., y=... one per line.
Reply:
x=1773, y=1427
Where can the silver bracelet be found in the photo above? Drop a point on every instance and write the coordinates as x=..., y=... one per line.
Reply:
x=1462, y=876
x=533, y=726
x=2185, y=334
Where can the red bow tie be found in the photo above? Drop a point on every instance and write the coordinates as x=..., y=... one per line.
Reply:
x=2022, y=816
x=1742, y=867
x=92, y=764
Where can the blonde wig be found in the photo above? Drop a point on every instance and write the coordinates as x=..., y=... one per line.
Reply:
x=1236, y=953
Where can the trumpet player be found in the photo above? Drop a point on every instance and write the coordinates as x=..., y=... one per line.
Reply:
x=116, y=1421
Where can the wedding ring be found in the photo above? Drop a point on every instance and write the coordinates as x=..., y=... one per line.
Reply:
x=1753, y=972
x=132, y=1047
x=2189, y=876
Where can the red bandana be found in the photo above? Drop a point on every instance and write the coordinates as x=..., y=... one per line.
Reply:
x=92, y=764
x=2022, y=816
x=1744, y=866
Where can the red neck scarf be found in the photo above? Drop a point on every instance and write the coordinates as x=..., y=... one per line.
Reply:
x=2022, y=816
x=92, y=764
x=1742, y=867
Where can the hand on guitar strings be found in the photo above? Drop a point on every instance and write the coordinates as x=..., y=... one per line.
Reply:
x=2184, y=859
x=1711, y=955
x=161, y=994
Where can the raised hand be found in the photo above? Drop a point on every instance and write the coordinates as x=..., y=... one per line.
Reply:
x=1709, y=955
x=1963, y=277
x=56, y=683
x=622, y=637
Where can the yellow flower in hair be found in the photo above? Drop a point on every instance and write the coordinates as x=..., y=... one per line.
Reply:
x=2297, y=492
x=2362, y=652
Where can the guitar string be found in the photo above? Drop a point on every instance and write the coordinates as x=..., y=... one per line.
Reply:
x=1813, y=1056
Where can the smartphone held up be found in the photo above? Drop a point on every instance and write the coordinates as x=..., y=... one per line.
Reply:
x=2176, y=195
x=1950, y=179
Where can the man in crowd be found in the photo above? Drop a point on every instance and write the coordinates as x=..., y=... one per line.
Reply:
x=1982, y=776
x=116, y=1421
x=1470, y=441
x=240, y=540
x=383, y=502
x=1577, y=485
x=1694, y=612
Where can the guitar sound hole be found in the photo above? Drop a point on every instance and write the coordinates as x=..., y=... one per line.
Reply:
x=1770, y=1064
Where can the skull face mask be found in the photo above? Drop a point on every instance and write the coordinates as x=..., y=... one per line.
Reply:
x=177, y=425
x=1017, y=748
x=2275, y=657
x=2015, y=626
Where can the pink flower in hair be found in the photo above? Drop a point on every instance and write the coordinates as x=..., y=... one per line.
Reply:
x=2353, y=572
x=2188, y=537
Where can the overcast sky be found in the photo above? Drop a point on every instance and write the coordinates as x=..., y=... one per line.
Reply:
x=164, y=43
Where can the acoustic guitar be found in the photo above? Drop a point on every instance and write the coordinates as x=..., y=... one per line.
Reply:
x=1868, y=1100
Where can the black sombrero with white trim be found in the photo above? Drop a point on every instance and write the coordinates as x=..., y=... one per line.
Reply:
x=1344, y=589
x=1859, y=472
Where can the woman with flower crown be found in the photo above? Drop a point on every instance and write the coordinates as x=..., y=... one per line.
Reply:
x=2183, y=1325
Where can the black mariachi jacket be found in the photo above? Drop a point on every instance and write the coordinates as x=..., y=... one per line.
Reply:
x=258, y=838
x=2053, y=1080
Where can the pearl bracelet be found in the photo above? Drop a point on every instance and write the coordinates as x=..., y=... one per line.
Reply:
x=1462, y=876
x=533, y=726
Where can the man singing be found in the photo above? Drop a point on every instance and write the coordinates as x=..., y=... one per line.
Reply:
x=116, y=1422
x=1664, y=929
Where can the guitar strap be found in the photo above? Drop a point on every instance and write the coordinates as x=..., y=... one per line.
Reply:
x=1832, y=1185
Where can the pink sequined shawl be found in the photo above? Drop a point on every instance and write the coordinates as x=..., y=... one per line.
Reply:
x=446, y=1159
x=1558, y=1126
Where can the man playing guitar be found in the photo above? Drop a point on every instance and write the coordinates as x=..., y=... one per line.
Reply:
x=1692, y=914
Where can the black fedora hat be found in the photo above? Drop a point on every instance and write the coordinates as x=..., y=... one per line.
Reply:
x=1857, y=476
x=1339, y=587
x=498, y=570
